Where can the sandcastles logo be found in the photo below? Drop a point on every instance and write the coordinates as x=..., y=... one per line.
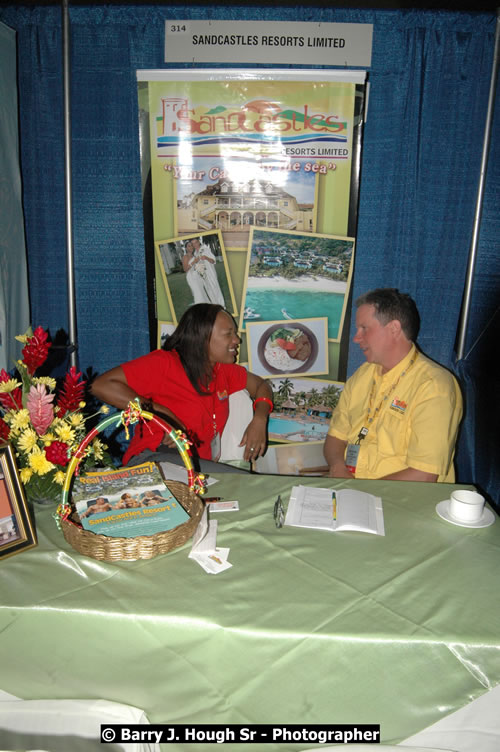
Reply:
x=257, y=121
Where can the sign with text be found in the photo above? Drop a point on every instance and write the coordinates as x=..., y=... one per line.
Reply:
x=342, y=44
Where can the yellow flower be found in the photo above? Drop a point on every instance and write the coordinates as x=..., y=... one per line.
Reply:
x=81, y=405
x=98, y=449
x=25, y=474
x=104, y=409
x=27, y=440
x=48, y=438
x=18, y=419
x=59, y=477
x=9, y=386
x=77, y=420
x=47, y=380
x=65, y=433
x=39, y=462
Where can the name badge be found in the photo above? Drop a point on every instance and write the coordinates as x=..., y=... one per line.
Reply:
x=351, y=457
x=215, y=447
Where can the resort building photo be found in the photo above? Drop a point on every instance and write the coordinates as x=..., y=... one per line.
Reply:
x=235, y=206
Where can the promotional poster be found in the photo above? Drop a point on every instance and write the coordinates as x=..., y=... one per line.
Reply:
x=251, y=189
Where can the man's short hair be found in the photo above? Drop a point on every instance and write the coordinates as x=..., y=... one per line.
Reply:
x=391, y=304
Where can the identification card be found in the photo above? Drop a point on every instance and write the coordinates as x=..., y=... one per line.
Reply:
x=351, y=456
x=215, y=447
x=224, y=506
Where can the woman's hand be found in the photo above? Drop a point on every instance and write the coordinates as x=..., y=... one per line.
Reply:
x=176, y=424
x=255, y=438
x=168, y=441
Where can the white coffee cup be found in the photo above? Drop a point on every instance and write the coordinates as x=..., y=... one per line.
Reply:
x=466, y=506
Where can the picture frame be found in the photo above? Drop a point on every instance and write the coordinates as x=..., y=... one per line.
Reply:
x=195, y=269
x=165, y=329
x=303, y=409
x=297, y=274
x=17, y=532
x=268, y=343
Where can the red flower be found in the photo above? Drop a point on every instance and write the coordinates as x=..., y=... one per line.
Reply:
x=10, y=400
x=57, y=453
x=4, y=430
x=72, y=392
x=35, y=350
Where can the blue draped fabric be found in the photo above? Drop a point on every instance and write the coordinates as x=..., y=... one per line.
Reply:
x=429, y=85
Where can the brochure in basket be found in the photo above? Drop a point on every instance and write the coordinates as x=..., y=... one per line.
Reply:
x=126, y=503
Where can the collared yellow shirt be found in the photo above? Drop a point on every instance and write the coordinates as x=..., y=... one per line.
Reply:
x=416, y=426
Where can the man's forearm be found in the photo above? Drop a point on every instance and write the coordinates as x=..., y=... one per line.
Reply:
x=411, y=473
x=334, y=451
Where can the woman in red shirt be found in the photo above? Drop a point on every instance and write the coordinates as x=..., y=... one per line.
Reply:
x=189, y=382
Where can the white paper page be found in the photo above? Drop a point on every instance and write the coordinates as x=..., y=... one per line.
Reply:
x=357, y=510
x=201, y=530
x=215, y=562
x=205, y=536
x=310, y=507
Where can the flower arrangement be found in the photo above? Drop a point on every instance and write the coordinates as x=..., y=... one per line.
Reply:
x=44, y=425
x=200, y=268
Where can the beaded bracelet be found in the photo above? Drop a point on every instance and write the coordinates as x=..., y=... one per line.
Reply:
x=264, y=399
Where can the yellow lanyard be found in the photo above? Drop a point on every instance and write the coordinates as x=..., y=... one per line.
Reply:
x=371, y=418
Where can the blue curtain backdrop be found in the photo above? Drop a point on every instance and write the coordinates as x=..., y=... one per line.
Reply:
x=429, y=85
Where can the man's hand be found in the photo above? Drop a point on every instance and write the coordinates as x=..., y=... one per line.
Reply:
x=339, y=471
x=334, y=451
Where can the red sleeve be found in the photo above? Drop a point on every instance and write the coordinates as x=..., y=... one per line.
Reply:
x=146, y=375
x=235, y=377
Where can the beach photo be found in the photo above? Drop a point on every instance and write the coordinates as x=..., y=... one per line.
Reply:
x=195, y=270
x=288, y=347
x=302, y=409
x=291, y=275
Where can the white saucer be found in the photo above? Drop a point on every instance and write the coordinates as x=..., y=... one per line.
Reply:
x=443, y=509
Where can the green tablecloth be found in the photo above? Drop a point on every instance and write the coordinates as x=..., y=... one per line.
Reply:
x=306, y=627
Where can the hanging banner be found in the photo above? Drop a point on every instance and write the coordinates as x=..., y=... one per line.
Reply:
x=250, y=190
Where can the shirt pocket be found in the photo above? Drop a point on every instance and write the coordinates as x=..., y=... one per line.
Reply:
x=393, y=434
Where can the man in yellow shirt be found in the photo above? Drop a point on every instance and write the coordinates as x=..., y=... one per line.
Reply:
x=398, y=415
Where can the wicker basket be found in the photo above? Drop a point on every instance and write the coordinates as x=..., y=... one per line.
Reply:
x=143, y=546
x=106, y=548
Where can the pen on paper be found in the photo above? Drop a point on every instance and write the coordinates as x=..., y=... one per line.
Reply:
x=334, y=505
